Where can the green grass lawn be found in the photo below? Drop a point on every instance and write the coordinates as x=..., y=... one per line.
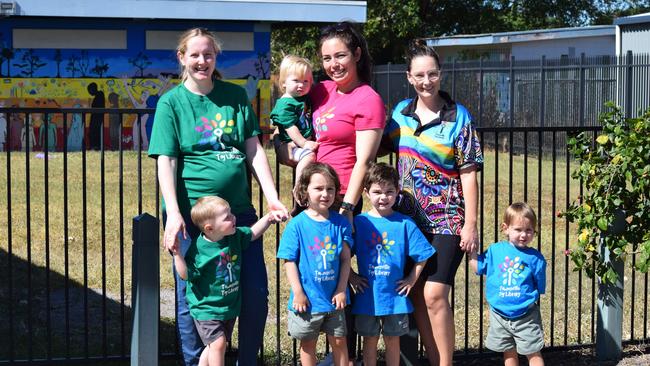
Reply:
x=106, y=248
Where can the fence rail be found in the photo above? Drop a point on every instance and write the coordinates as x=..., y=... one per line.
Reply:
x=65, y=256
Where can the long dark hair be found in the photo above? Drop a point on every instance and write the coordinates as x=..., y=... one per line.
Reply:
x=352, y=38
x=417, y=48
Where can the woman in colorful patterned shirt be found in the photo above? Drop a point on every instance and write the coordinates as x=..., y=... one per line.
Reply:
x=204, y=136
x=438, y=157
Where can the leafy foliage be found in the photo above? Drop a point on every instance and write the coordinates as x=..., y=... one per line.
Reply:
x=615, y=211
x=392, y=24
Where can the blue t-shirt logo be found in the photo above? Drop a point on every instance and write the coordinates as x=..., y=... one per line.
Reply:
x=324, y=249
x=511, y=270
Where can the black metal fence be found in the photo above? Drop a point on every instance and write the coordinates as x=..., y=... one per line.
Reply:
x=534, y=93
x=65, y=254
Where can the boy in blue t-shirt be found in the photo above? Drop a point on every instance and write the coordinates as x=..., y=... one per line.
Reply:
x=516, y=276
x=384, y=240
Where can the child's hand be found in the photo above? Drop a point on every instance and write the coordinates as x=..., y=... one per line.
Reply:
x=405, y=285
x=358, y=283
x=311, y=145
x=300, y=302
x=339, y=300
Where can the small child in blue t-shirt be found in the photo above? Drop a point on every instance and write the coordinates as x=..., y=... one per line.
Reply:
x=316, y=248
x=384, y=239
x=516, y=276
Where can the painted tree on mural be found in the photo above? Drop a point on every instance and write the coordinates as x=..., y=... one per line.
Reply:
x=262, y=65
x=84, y=63
x=6, y=54
x=71, y=66
x=30, y=63
x=101, y=68
x=140, y=61
x=58, y=58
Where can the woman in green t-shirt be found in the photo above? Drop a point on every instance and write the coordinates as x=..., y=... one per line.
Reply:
x=204, y=136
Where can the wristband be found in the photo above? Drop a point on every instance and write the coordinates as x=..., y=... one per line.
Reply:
x=346, y=206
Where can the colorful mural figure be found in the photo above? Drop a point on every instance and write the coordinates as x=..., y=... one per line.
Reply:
x=47, y=129
x=27, y=138
x=114, y=123
x=96, y=119
x=15, y=132
x=75, y=132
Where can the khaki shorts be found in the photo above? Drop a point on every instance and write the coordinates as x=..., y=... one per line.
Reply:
x=307, y=326
x=524, y=333
x=394, y=325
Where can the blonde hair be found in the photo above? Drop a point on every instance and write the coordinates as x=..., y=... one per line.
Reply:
x=296, y=65
x=182, y=48
x=520, y=210
x=206, y=208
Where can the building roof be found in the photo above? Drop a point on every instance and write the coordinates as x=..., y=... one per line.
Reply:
x=247, y=10
x=522, y=36
x=633, y=19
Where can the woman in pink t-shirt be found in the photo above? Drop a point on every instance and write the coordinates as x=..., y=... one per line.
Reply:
x=348, y=119
x=348, y=115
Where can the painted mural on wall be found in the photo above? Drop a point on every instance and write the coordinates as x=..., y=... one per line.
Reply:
x=87, y=93
x=127, y=78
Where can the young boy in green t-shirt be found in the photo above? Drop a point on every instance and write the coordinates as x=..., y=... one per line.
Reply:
x=212, y=267
x=292, y=116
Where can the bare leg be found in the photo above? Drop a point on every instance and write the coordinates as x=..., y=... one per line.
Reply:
x=392, y=350
x=203, y=361
x=510, y=358
x=339, y=350
x=370, y=350
x=535, y=359
x=217, y=353
x=436, y=296
x=308, y=352
x=421, y=316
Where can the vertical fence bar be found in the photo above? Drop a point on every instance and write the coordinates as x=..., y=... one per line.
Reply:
x=46, y=187
x=553, y=192
x=28, y=235
x=84, y=210
x=10, y=250
x=511, y=112
x=581, y=111
x=542, y=93
x=566, y=245
x=102, y=197
x=121, y=213
x=66, y=243
x=628, y=84
x=139, y=120
x=525, y=165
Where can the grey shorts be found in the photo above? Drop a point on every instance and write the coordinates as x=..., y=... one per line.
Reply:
x=394, y=325
x=211, y=330
x=524, y=333
x=307, y=326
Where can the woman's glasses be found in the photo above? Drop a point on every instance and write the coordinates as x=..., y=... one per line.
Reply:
x=432, y=76
x=332, y=29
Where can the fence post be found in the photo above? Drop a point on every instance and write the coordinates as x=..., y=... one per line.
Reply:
x=609, y=326
x=628, y=85
x=145, y=291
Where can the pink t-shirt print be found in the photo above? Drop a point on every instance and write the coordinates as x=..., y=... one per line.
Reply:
x=336, y=119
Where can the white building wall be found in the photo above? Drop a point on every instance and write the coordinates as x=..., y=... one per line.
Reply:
x=571, y=47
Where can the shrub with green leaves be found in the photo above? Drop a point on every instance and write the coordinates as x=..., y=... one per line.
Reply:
x=615, y=210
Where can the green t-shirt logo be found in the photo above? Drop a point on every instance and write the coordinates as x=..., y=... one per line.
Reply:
x=215, y=131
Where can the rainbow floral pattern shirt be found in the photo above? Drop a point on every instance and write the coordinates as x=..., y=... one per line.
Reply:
x=430, y=158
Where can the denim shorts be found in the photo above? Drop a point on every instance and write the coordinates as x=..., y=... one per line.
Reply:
x=524, y=333
x=394, y=325
x=307, y=326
